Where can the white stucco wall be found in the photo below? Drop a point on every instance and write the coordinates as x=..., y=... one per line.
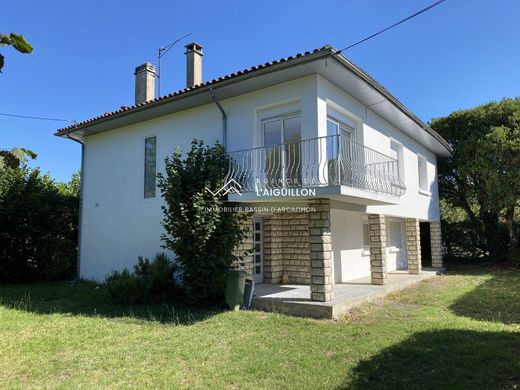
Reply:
x=350, y=261
x=118, y=223
x=375, y=132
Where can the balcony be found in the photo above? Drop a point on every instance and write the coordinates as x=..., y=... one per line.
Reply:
x=315, y=164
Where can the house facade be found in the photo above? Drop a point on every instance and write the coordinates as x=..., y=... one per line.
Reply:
x=341, y=176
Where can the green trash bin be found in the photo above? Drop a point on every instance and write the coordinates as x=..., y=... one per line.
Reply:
x=235, y=284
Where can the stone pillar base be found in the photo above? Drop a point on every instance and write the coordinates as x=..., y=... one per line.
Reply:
x=413, y=245
x=436, y=244
x=377, y=239
x=320, y=245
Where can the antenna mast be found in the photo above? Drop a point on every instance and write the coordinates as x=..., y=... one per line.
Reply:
x=161, y=52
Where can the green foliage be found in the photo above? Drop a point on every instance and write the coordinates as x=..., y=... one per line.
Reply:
x=151, y=282
x=197, y=230
x=38, y=226
x=14, y=157
x=124, y=287
x=17, y=41
x=482, y=178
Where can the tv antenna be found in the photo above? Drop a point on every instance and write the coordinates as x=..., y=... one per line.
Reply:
x=161, y=52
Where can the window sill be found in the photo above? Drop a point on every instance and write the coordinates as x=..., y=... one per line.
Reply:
x=365, y=252
x=424, y=193
x=393, y=250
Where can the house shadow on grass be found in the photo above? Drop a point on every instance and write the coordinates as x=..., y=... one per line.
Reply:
x=494, y=300
x=91, y=299
x=458, y=359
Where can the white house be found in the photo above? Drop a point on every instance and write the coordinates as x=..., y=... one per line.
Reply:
x=350, y=171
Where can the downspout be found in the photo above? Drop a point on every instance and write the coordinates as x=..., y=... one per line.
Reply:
x=224, y=117
x=81, y=175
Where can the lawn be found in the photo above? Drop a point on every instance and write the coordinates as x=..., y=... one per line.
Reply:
x=460, y=330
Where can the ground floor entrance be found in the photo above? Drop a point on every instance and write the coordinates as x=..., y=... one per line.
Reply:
x=323, y=246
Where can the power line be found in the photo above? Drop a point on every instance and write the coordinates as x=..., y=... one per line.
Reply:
x=393, y=25
x=38, y=118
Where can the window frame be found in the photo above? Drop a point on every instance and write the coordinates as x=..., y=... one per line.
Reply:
x=281, y=118
x=422, y=175
x=144, y=139
x=366, y=246
x=400, y=157
x=349, y=129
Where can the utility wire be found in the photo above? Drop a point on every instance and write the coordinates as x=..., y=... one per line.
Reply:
x=393, y=25
x=38, y=118
x=163, y=50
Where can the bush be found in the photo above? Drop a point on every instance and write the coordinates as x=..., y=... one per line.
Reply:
x=38, y=226
x=196, y=229
x=151, y=282
x=124, y=287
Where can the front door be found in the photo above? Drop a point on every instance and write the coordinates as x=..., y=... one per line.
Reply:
x=258, y=250
x=396, y=245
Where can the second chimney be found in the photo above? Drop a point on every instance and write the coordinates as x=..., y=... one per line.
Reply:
x=144, y=83
x=193, y=64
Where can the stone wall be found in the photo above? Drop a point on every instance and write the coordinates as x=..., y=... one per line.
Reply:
x=436, y=243
x=320, y=241
x=413, y=245
x=286, y=248
x=377, y=238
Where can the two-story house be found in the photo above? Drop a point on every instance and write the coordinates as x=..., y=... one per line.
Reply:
x=351, y=171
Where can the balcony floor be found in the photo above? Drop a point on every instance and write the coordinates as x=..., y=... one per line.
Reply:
x=341, y=193
x=295, y=299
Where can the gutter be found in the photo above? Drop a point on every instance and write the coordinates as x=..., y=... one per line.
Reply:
x=233, y=78
x=80, y=219
x=224, y=117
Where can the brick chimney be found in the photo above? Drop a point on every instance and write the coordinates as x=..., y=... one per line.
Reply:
x=144, y=83
x=193, y=64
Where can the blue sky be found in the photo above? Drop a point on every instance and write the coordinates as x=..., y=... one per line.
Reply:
x=460, y=54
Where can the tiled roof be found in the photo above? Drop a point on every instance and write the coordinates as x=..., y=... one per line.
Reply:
x=325, y=50
x=64, y=130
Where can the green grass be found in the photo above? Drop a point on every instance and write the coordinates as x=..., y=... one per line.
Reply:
x=461, y=330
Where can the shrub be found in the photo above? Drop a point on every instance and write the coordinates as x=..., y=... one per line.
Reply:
x=197, y=229
x=124, y=287
x=38, y=226
x=151, y=282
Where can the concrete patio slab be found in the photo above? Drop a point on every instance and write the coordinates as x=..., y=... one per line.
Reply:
x=295, y=299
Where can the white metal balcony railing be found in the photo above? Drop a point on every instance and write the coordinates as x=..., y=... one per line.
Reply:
x=316, y=162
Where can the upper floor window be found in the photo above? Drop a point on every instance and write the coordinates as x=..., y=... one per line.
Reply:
x=335, y=127
x=396, y=152
x=282, y=159
x=150, y=166
x=339, y=150
x=423, y=173
x=281, y=130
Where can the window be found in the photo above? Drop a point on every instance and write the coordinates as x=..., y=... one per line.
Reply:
x=366, y=240
x=282, y=138
x=396, y=152
x=339, y=152
x=150, y=166
x=423, y=174
x=394, y=235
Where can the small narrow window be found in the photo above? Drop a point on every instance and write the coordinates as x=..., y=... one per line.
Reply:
x=366, y=242
x=150, y=166
x=423, y=174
